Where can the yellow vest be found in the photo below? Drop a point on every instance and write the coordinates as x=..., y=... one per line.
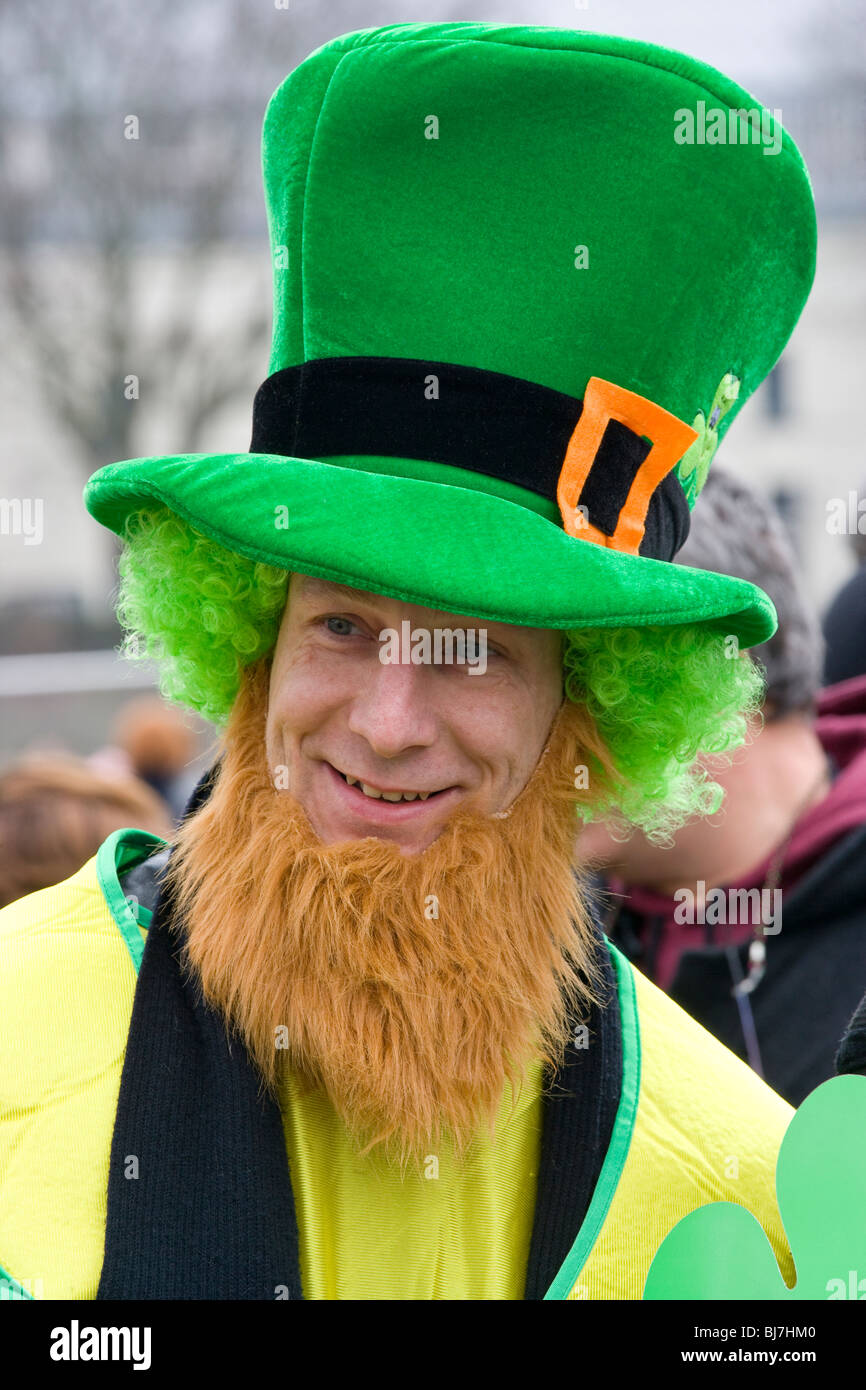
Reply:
x=694, y=1125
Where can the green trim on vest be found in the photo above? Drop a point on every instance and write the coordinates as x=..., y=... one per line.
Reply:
x=125, y=849
x=620, y=1143
x=16, y=1290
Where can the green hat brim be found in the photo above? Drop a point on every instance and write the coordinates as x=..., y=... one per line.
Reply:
x=424, y=542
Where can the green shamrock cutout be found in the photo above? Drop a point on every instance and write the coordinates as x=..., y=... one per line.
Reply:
x=721, y=1251
x=695, y=462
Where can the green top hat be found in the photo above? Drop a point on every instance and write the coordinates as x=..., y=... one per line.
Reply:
x=524, y=277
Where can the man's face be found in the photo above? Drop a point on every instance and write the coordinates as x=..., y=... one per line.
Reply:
x=336, y=711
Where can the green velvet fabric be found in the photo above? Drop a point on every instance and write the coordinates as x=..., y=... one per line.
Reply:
x=454, y=548
x=462, y=249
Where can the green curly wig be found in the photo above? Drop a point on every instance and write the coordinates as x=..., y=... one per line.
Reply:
x=659, y=697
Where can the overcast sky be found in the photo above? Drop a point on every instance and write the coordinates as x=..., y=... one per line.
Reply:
x=747, y=39
x=753, y=41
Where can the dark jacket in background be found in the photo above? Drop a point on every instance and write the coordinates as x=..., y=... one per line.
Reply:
x=851, y=1056
x=845, y=631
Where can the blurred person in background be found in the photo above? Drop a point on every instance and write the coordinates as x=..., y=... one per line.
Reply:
x=55, y=812
x=845, y=619
x=793, y=827
x=152, y=741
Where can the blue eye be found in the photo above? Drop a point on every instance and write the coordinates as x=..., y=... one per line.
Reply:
x=345, y=621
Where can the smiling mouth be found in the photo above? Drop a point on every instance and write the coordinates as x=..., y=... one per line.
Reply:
x=378, y=794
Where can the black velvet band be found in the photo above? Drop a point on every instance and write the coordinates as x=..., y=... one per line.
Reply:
x=486, y=422
x=211, y=1212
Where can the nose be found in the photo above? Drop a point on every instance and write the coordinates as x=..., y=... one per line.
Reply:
x=394, y=709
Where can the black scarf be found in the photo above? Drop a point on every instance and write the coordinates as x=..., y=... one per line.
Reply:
x=211, y=1214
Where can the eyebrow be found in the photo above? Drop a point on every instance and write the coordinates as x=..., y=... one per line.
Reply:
x=311, y=587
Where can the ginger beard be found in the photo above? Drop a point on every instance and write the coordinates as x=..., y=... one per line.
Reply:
x=408, y=986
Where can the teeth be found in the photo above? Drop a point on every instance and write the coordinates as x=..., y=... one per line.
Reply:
x=385, y=796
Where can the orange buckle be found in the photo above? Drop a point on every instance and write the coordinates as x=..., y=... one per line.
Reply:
x=670, y=438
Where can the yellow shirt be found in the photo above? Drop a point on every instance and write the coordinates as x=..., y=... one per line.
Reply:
x=440, y=1232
